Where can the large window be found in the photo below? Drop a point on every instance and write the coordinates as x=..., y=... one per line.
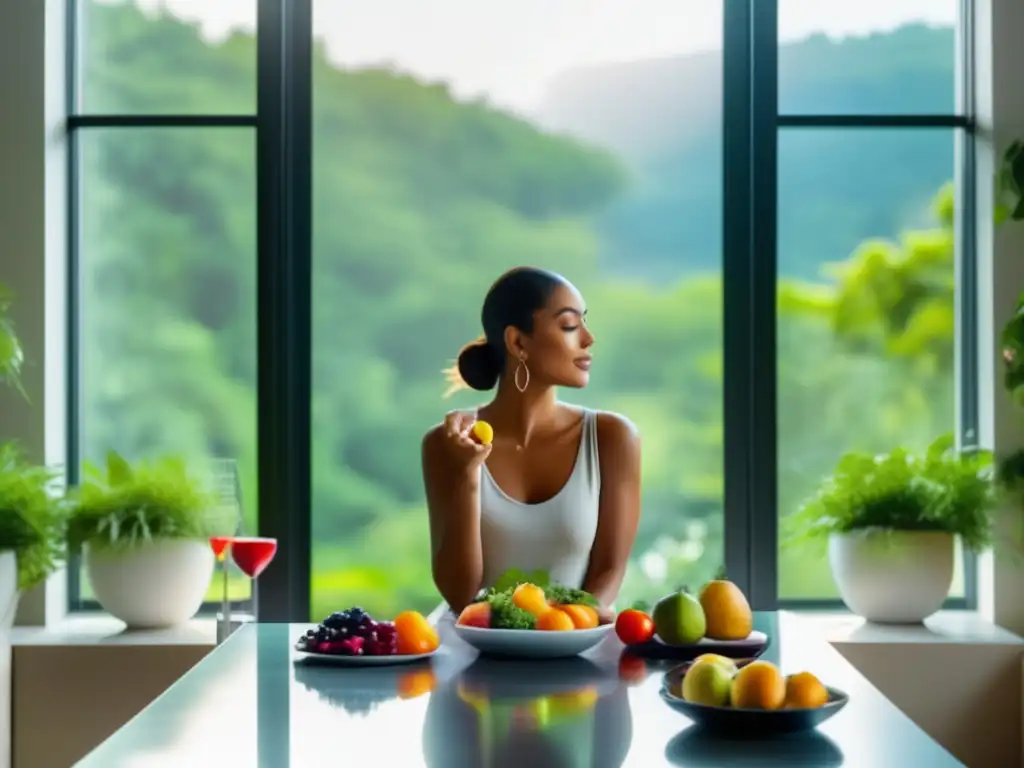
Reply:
x=164, y=247
x=874, y=109
x=280, y=242
x=463, y=143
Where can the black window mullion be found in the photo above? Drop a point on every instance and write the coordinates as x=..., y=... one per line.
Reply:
x=874, y=120
x=763, y=255
x=284, y=171
x=72, y=394
x=161, y=121
x=736, y=289
x=966, y=257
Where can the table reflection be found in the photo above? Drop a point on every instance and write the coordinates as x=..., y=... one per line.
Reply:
x=696, y=748
x=359, y=691
x=566, y=713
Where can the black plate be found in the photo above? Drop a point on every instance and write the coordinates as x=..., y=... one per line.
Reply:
x=734, y=649
x=757, y=723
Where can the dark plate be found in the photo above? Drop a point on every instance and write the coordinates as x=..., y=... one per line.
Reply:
x=750, y=648
x=757, y=723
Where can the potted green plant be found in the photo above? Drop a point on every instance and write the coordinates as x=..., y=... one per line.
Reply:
x=144, y=534
x=32, y=520
x=890, y=524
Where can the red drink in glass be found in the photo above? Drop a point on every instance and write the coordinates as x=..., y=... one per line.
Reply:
x=219, y=545
x=253, y=554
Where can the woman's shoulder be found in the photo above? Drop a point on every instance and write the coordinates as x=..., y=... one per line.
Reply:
x=613, y=429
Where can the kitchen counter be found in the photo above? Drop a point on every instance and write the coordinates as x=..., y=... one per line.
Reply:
x=249, y=704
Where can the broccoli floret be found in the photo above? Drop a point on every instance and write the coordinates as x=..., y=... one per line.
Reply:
x=566, y=596
x=507, y=615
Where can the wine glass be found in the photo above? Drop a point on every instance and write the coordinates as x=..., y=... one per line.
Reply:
x=220, y=546
x=252, y=554
x=226, y=516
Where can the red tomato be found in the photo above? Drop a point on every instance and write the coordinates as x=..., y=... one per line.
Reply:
x=634, y=627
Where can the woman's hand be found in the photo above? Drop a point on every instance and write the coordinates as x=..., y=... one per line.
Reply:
x=463, y=450
x=605, y=615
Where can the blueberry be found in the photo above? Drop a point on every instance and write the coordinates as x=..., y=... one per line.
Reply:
x=310, y=633
x=356, y=614
x=336, y=620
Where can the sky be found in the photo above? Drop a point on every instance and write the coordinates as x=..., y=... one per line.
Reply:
x=510, y=50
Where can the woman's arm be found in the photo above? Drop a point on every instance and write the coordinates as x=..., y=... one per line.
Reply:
x=619, y=511
x=453, y=501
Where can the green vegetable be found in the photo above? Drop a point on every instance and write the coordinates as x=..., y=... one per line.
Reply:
x=512, y=578
x=566, y=596
x=507, y=615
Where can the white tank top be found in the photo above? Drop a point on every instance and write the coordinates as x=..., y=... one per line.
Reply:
x=555, y=535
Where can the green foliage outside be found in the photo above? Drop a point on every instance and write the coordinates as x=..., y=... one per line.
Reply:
x=420, y=200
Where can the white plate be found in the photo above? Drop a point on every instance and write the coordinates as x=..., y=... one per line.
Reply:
x=360, y=661
x=532, y=643
x=754, y=637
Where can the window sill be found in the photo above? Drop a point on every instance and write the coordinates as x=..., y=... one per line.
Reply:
x=945, y=627
x=89, y=629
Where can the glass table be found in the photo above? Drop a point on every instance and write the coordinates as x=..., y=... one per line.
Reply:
x=250, y=704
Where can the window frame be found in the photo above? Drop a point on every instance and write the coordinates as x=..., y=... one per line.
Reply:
x=751, y=125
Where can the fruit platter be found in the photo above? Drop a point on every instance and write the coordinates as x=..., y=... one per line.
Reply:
x=755, y=699
x=683, y=626
x=354, y=638
x=525, y=616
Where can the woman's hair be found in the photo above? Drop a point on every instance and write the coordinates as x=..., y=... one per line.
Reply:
x=511, y=300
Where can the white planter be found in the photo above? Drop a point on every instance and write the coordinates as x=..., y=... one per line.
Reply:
x=892, y=577
x=8, y=608
x=8, y=590
x=158, y=584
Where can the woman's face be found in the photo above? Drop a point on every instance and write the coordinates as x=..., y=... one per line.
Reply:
x=558, y=350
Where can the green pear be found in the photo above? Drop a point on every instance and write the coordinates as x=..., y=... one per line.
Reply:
x=679, y=619
x=707, y=682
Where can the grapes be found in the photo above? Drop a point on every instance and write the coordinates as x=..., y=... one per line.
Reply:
x=352, y=633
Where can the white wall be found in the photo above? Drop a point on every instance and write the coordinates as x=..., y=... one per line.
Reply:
x=32, y=240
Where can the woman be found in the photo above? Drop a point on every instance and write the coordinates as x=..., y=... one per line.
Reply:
x=559, y=487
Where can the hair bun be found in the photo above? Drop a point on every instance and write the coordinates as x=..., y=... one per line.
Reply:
x=479, y=366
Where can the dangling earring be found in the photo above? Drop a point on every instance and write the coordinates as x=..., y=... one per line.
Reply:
x=522, y=367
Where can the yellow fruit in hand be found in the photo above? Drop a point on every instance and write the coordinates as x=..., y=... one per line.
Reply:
x=805, y=691
x=482, y=432
x=758, y=685
x=531, y=599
